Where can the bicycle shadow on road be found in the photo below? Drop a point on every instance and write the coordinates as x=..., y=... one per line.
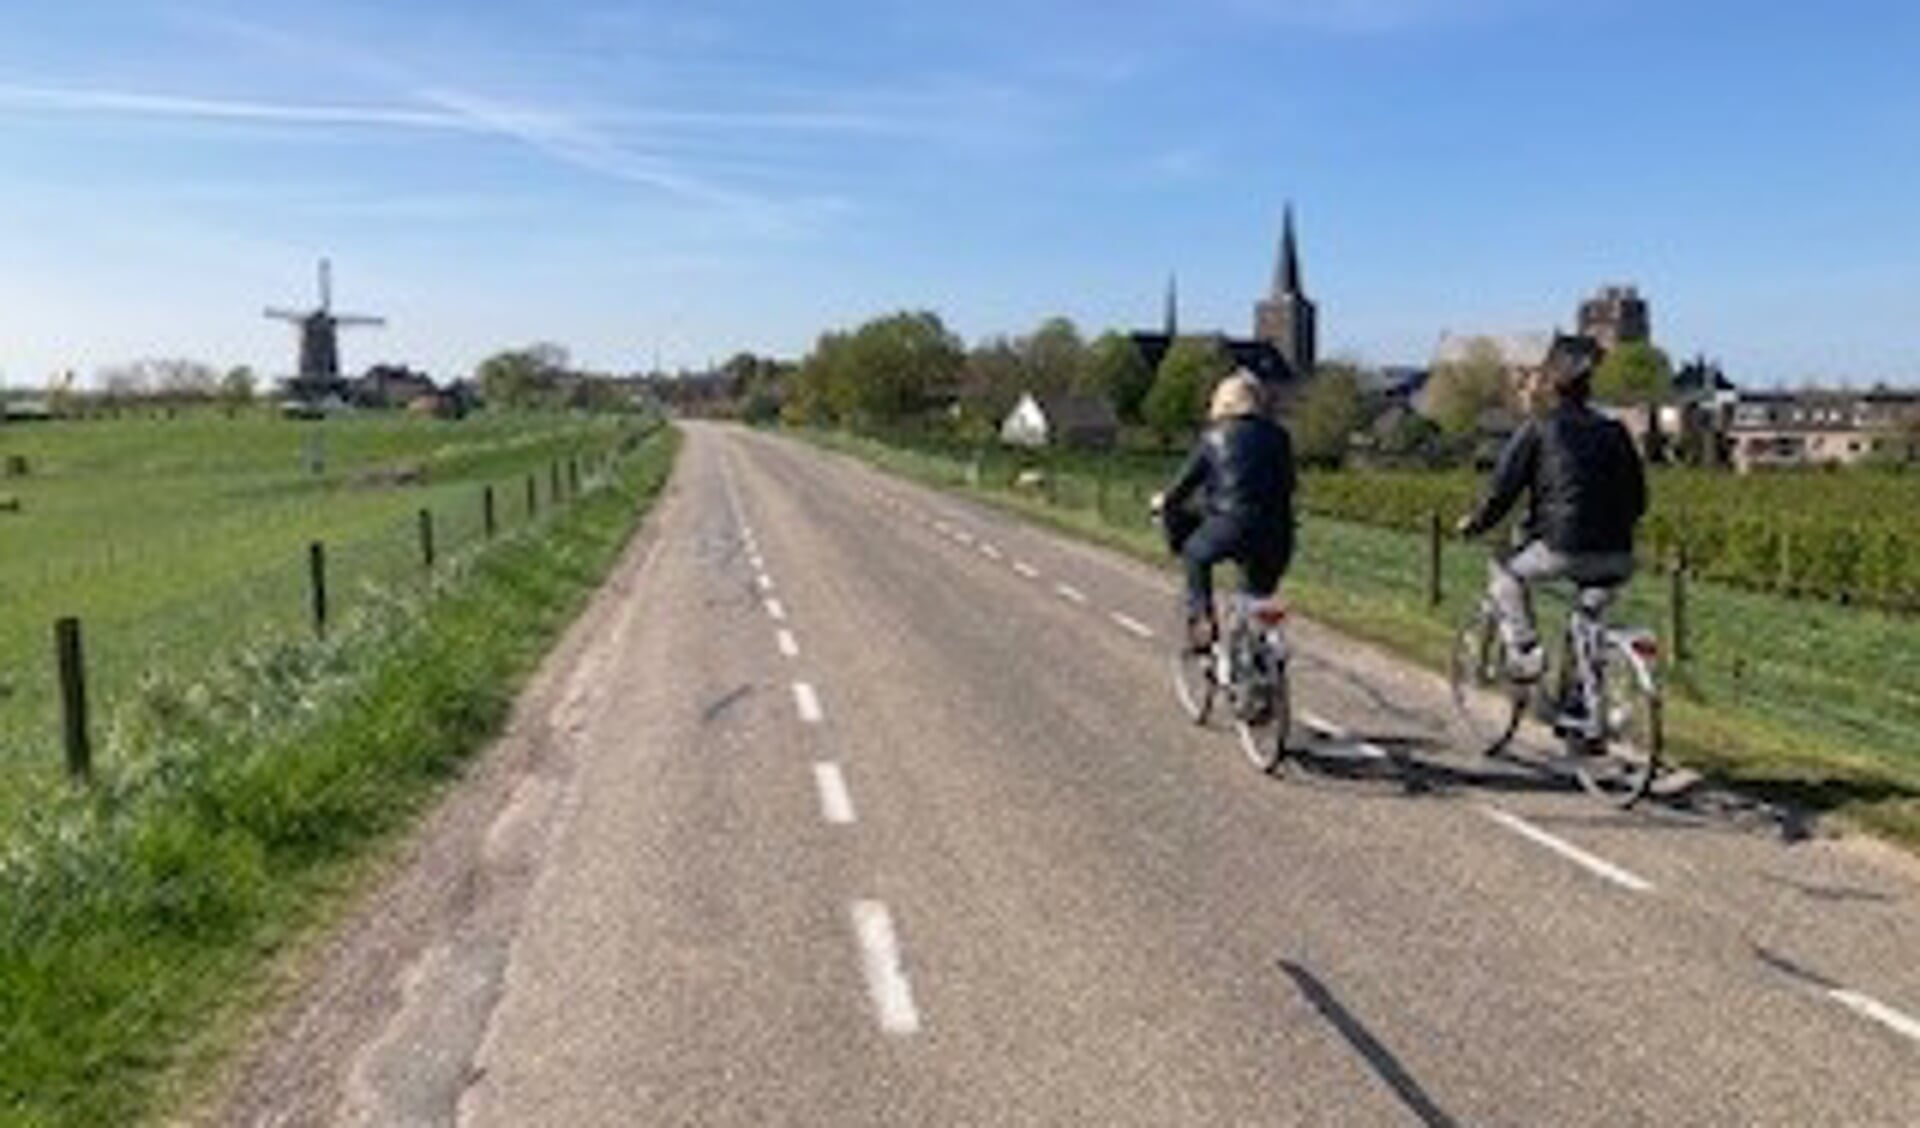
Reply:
x=1682, y=800
x=1418, y=766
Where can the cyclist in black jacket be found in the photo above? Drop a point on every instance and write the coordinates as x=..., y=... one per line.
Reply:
x=1586, y=491
x=1242, y=471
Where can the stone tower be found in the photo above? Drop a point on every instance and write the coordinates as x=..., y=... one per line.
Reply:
x=1615, y=316
x=1286, y=319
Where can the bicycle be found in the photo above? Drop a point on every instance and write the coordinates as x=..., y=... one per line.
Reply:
x=1605, y=705
x=1248, y=663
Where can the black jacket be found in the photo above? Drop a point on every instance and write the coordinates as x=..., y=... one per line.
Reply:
x=1243, y=469
x=1584, y=477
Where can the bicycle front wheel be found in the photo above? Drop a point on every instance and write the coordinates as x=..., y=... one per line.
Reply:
x=1622, y=769
x=1487, y=704
x=1193, y=684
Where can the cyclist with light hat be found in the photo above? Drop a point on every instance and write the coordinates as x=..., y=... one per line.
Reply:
x=1241, y=474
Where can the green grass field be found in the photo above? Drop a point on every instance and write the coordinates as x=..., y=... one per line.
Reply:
x=137, y=916
x=1801, y=698
x=179, y=541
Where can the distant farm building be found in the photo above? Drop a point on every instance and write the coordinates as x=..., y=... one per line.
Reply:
x=1061, y=419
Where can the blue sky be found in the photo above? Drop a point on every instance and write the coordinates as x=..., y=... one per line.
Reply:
x=688, y=179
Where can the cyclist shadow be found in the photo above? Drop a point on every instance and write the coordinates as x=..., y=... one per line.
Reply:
x=1418, y=765
x=1429, y=766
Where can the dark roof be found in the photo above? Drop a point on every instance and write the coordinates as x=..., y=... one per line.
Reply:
x=1074, y=411
x=1262, y=358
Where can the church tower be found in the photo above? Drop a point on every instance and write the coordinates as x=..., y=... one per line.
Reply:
x=1286, y=319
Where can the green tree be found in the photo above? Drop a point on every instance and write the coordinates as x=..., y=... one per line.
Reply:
x=893, y=367
x=237, y=387
x=991, y=381
x=1054, y=356
x=1116, y=370
x=523, y=378
x=811, y=399
x=1634, y=373
x=1177, y=402
x=1459, y=392
x=1328, y=414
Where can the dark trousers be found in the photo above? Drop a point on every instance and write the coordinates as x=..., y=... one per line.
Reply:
x=1262, y=553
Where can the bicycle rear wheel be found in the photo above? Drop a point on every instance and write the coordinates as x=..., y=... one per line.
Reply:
x=1489, y=706
x=1264, y=728
x=1623, y=769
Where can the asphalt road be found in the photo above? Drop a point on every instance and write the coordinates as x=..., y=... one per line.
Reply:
x=874, y=807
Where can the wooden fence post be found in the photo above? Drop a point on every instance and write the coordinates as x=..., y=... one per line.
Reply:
x=317, y=574
x=553, y=481
x=73, y=698
x=1434, y=559
x=426, y=538
x=533, y=498
x=487, y=516
x=1677, y=605
x=573, y=476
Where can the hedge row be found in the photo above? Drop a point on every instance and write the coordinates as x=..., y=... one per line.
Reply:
x=1852, y=537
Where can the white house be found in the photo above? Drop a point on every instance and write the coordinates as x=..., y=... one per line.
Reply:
x=1064, y=418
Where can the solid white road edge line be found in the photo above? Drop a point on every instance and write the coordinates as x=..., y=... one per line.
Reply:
x=836, y=804
x=808, y=702
x=989, y=551
x=1589, y=862
x=1334, y=732
x=1869, y=1007
x=788, y=646
x=777, y=612
x=1071, y=594
x=1026, y=569
x=1130, y=624
x=887, y=983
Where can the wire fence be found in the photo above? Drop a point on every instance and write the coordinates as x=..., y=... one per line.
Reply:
x=99, y=651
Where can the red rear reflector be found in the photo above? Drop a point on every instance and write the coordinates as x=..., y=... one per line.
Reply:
x=1647, y=647
x=1270, y=613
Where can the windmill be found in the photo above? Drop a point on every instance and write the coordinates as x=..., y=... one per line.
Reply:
x=320, y=342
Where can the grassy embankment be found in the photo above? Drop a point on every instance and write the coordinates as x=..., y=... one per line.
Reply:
x=140, y=914
x=175, y=541
x=1801, y=700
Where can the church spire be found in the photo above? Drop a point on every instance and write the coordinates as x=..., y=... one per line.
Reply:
x=1173, y=305
x=1286, y=273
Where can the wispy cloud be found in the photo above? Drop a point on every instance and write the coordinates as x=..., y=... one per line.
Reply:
x=132, y=103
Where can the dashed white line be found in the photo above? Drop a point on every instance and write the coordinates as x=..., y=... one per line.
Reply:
x=788, y=646
x=1130, y=624
x=963, y=536
x=765, y=581
x=1868, y=1007
x=775, y=611
x=807, y=702
x=943, y=528
x=887, y=982
x=1070, y=594
x=836, y=803
x=989, y=551
x=1026, y=569
x=1598, y=866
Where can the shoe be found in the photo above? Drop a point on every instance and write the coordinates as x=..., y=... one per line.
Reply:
x=1525, y=664
x=1200, y=634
